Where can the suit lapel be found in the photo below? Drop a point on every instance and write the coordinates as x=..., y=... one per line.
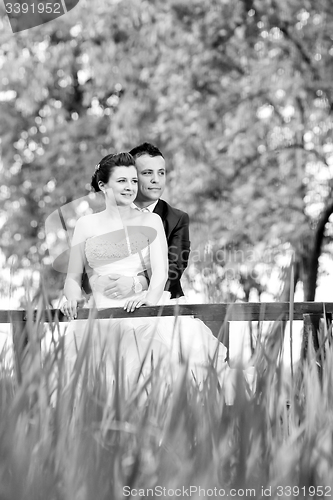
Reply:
x=159, y=208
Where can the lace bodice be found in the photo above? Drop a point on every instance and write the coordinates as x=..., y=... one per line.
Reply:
x=105, y=248
x=119, y=252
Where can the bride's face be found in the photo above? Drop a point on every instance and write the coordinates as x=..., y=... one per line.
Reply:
x=123, y=182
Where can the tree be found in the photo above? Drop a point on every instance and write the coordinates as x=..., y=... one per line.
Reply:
x=62, y=85
x=255, y=85
x=237, y=95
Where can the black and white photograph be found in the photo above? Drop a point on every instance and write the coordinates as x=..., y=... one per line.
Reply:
x=166, y=244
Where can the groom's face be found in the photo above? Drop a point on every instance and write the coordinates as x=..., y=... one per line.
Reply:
x=151, y=177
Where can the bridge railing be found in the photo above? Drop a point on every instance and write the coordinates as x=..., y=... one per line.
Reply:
x=216, y=316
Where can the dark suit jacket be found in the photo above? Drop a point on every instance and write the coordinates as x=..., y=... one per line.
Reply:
x=176, y=227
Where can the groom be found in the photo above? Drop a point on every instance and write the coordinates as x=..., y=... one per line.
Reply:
x=150, y=165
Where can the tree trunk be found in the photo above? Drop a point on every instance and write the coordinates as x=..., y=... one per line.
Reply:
x=310, y=260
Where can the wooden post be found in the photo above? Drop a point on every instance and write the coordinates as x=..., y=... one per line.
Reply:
x=20, y=342
x=224, y=337
x=329, y=327
x=311, y=330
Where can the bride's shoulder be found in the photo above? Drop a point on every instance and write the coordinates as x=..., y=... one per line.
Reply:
x=150, y=218
x=85, y=223
x=86, y=219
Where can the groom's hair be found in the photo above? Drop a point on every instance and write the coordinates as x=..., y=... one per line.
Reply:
x=145, y=149
x=104, y=168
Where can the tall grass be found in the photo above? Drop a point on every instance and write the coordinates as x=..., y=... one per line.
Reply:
x=74, y=436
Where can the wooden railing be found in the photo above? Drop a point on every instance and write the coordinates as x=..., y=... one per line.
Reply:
x=215, y=316
x=242, y=311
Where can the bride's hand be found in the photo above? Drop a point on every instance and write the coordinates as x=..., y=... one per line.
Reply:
x=69, y=308
x=138, y=301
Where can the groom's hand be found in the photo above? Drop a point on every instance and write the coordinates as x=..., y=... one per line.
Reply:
x=120, y=286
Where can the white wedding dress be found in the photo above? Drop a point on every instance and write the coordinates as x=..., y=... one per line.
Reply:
x=155, y=339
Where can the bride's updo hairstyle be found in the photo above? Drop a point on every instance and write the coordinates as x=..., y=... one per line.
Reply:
x=107, y=164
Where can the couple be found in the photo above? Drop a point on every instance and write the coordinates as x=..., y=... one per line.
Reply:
x=135, y=256
x=150, y=165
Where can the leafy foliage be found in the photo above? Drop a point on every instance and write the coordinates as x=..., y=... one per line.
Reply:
x=237, y=95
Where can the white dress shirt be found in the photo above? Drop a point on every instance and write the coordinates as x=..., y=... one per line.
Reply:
x=150, y=208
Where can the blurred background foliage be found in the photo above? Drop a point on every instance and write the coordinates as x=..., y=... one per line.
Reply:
x=237, y=94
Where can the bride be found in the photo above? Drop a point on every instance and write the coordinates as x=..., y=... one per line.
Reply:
x=125, y=241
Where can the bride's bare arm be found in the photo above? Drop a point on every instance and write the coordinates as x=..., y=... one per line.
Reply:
x=158, y=250
x=72, y=288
